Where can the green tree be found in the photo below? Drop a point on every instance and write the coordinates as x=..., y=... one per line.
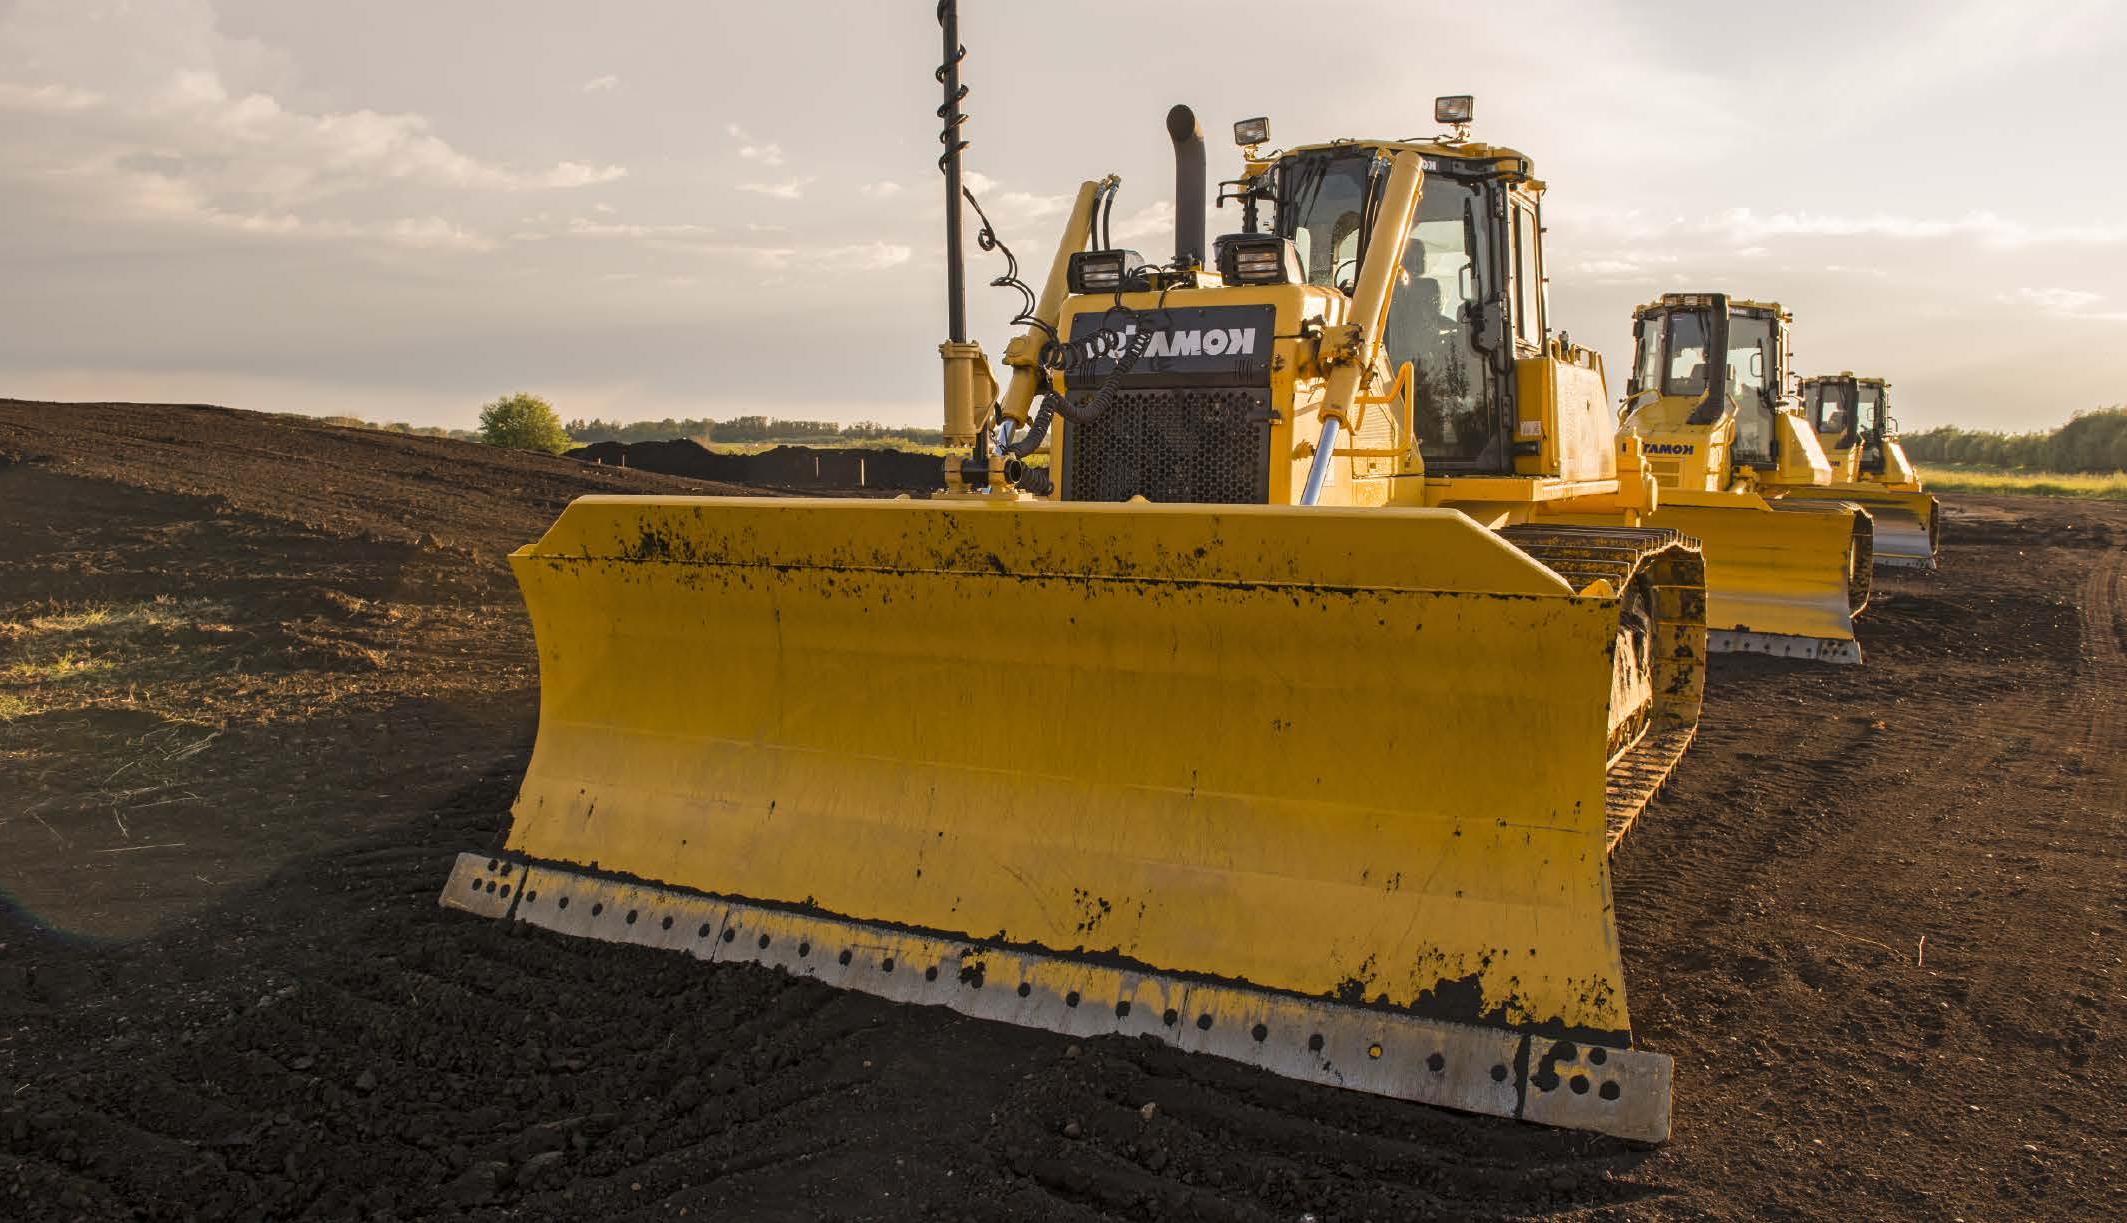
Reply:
x=523, y=422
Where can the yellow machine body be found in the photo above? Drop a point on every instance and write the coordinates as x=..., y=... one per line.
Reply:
x=1254, y=734
x=1788, y=559
x=1851, y=416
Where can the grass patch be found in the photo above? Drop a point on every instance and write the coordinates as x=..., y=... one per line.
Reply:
x=1959, y=478
x=12, y=707
x=56, y=668
x=76, y=645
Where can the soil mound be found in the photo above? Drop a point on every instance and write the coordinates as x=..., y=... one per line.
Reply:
x=795, y=467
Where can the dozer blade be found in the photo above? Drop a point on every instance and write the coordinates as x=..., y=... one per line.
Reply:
x=1319, y=790
x=1908, y=533
x=1783, y=577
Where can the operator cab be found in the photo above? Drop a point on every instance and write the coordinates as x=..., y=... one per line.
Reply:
x=1846, y=411
x=1675, y=344
x=1469, y=298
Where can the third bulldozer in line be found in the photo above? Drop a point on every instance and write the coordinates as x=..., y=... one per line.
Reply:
x=1851, y=416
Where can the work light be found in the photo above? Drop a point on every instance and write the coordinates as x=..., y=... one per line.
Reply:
x=1258, y=259
x=1101, y=271
x=1454, y=108
x=1251, y=131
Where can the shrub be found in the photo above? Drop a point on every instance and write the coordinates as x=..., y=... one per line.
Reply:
x=523, y=422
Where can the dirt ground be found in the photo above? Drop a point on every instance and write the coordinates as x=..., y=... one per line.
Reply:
x=260, y=679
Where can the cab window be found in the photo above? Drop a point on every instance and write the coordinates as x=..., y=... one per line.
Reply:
x=1528, y=280
x=1647, y=346
x=1827, y=409
x=1750, y=383
x=1433, y=317
x=1686, y=374
x=1450, y=270
x=1868, y=409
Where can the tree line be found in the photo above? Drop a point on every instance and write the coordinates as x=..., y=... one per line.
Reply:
x=2094, y=441
x=400, y=426
x=746, y=429
x=527, y=422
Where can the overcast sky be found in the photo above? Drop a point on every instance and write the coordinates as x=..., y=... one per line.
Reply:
x=400, y=208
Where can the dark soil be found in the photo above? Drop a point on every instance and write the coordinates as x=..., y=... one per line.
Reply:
x=793, y=467
x=261, y=679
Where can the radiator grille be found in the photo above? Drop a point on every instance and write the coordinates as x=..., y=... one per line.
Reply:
x=1201, y=445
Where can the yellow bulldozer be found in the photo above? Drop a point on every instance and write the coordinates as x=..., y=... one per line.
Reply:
x=1851, y=416
x=1786, y=574
x=1282, y=721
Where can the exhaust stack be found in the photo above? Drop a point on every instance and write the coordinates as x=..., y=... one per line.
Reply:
x=1188, y=137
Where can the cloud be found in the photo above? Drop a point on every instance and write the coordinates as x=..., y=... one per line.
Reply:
x=153, y=115
x=570, y=174
x=48, y=99
x=171, y=201
x=760, y=152
x=864, y=256
x=583, y=227
x=1745, y=226
x=295, y=155
x=1011, y=209
x=1154, y=220
x=602, y=84
x=880, y=190
x=435, y=233
x=850, y=257
x=2062, y=304
x=789, y=189
x=1614, y=270
x=2053, y=301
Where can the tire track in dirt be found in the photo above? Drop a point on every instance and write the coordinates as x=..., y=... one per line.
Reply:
x=1819, y=932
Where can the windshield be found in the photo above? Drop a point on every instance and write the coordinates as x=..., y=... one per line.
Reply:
x=1827, y=407
x=1322, y=208
x=1868, y=409
x=1433, y=313
x=1686, y=372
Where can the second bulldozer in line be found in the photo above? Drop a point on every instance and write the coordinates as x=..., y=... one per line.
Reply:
x=1785, y=575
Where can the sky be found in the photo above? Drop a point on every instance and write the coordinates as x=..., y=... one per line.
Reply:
x=400, y=209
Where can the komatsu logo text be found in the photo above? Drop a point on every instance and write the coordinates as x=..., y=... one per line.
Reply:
x=1179, y=346
x=1670, y=448
x=1205, y=342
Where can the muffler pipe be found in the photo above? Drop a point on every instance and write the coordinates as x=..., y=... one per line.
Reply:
x=1188, y=137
